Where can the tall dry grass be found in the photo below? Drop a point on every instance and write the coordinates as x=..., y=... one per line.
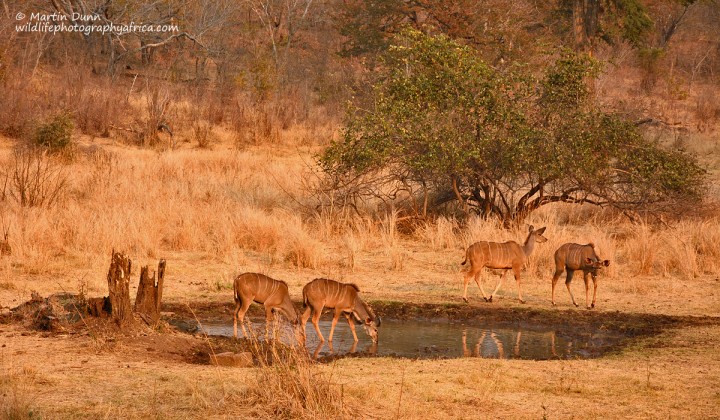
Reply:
x=287, y=383
x=16, y=399
x=227, y=203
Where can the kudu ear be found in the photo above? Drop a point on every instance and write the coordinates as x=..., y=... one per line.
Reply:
x=606, y=263
x=368, y=320
x=541, y=230
x=588, y=261
x=531, y=228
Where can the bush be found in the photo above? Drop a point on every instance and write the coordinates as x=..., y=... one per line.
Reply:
x=56, y=134
x=34, y=178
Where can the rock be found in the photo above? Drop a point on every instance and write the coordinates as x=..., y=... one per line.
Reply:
x=244, y=359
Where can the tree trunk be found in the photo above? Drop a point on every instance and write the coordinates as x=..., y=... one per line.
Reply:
x=585, y=23
x=149, y=294
x=119, y=288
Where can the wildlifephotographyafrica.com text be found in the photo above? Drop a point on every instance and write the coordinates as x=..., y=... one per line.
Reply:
x=85, y=24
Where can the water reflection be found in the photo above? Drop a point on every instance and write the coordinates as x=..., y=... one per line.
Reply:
x=427, y=339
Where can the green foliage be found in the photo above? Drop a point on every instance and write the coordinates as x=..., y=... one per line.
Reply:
x=635, y=22
x=446, y=126
x=56, y=134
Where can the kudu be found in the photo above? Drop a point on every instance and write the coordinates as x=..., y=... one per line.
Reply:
x=571, y=257
x=271, y=293
x=503, y=256
x=344, y=298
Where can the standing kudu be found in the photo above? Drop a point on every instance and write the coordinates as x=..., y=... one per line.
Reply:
x=571, y=257
x=344, y=298
x=271, y=293
x=503, y=256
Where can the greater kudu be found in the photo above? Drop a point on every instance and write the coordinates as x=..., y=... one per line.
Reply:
x=271, y=293
x=344, y=298
x=573, y=257
x=503, y=256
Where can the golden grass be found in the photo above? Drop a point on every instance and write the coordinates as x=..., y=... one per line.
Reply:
x=216, y=212
x=227, y=203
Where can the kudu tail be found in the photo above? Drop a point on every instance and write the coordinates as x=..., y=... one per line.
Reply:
x=236, y=293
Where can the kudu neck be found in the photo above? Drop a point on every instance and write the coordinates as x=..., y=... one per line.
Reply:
x=529, y=245
x=362, y=310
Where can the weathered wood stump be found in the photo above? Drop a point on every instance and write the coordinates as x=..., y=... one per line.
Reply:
x=119, y=288
x=149, y=294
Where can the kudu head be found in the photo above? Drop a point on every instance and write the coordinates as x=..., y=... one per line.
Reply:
x=596, y=264
x=371, y=328
x=537, y=234
x=371, y=323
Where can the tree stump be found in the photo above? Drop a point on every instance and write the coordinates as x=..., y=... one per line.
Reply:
x=119, y=288
x=149, y=294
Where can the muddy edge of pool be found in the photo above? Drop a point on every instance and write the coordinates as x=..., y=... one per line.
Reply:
x=629, y=324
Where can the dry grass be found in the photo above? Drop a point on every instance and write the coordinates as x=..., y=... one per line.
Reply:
x=216, y=212
x=288, y=385
x=229, y=204
x=16, y=402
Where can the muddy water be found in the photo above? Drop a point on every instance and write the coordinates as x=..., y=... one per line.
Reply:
x=428, y=339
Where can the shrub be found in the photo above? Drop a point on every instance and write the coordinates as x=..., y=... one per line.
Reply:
x=34, y=178
x=56, y=134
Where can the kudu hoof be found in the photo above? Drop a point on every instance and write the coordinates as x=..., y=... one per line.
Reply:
x=466, y=300
x=488, y=299
x=592, y=306
x=521, y=301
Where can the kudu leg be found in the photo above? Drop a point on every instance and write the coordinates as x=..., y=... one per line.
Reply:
x=235, y=318
x=467, y=280
x=567, y=284
x=555, y=278
x=586, y=279
x=240, y=310
x=303, y=320
x=479, y=283
x=334, y=322
x=516, y=271
x=497, y=287
x=268, y=319
x=351, y=323
x=315, y=320
x=594, y=291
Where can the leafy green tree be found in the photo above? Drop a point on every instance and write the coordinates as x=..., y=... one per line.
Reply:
x=447, y=128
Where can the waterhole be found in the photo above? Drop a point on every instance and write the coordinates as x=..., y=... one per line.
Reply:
x=426, y=339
